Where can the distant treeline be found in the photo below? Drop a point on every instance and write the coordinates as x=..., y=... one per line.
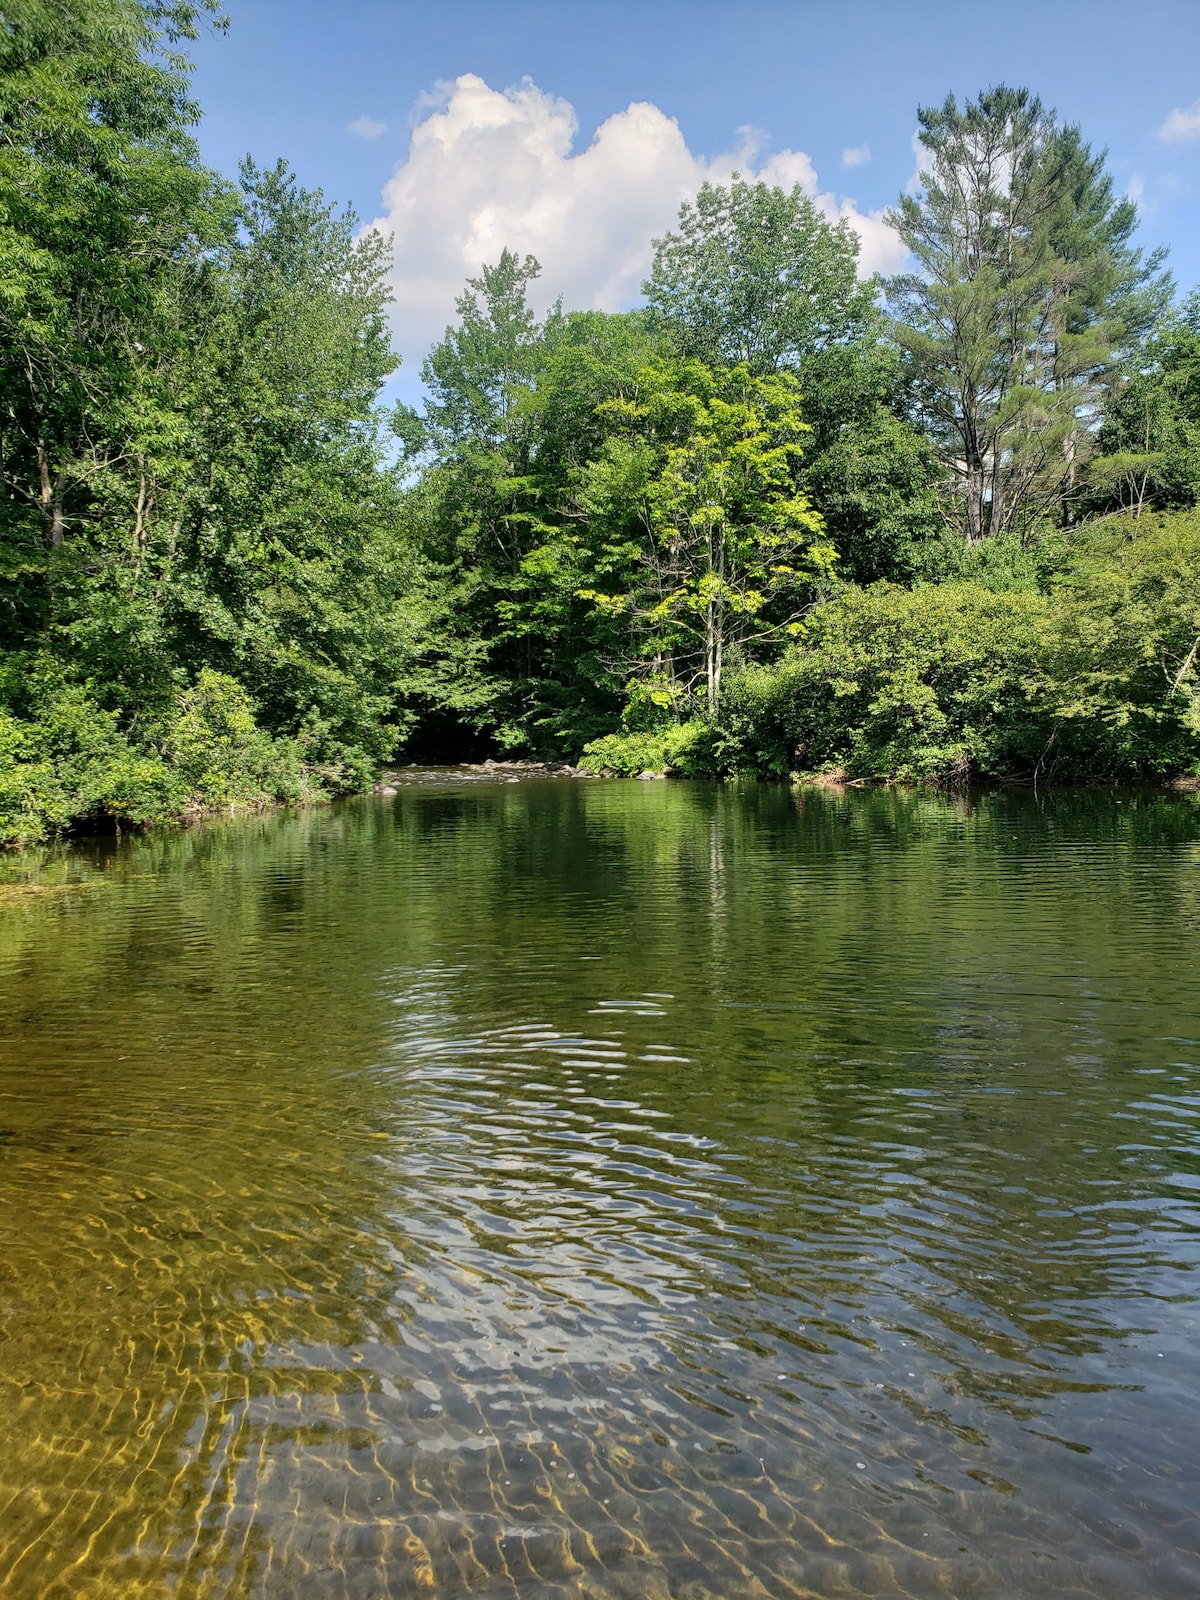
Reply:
x=778, y=520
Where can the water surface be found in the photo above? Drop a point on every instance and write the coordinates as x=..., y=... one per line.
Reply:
x=605, y=1189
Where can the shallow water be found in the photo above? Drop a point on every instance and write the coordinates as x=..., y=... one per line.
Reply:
x=606, y=1189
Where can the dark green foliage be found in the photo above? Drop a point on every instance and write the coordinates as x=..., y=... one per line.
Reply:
x=1148, y=448
x=515, y=417
x=875, y=484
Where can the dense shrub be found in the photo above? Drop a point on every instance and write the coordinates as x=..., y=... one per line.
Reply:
x=687, y=748
x=224, y=758
x=938, y=682
x=65, y=760
x=1123, y=666
x=1096, y=675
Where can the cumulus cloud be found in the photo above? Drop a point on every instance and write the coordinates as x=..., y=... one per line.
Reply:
x=856, y=155
x=1183, y=123
x=366, y=127
x=1144, y=196
x=487, y=169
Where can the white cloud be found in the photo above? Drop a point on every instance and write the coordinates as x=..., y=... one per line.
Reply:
x=1145, y=197
x=486, y=170
x=1183, y=123
x=366, y=127
x=856, y=155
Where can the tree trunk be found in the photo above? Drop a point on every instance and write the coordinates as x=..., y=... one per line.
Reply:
x=974, y=481
x=720, y=661
x=997, y=509
x=967, y=428
x=51, y=501
x=710, y=657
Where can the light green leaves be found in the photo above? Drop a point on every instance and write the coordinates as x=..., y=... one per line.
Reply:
x=732, y=548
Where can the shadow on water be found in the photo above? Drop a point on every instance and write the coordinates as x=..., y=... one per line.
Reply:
x=605, y=1188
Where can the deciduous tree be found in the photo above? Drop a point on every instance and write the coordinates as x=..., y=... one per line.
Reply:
x=731, y=546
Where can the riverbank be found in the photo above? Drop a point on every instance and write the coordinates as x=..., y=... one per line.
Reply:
x=397, y=778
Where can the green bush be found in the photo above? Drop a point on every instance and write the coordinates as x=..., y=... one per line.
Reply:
x=1098, y=675
x=684, y=747
x=224, y=758
x=940, y=682
x=1003, y=562
x=1123, y=666
x=65, y=760
x=27, y=787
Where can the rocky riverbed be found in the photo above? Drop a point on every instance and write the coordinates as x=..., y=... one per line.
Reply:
x=397, y=778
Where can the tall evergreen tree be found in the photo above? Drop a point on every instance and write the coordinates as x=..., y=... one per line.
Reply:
x=1028, y=294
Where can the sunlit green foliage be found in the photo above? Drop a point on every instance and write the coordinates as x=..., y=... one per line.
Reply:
x=759, y=276
x=1096, y=675
x=683, y=748
x=885, y=682
x=707, y=467
x=1125, y=666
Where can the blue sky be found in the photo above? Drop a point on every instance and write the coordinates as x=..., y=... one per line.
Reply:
x=503, y=99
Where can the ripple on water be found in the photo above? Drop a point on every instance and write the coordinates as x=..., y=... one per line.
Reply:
x=626, y=1190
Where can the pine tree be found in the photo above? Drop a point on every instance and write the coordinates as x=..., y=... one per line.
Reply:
x=1028, y=295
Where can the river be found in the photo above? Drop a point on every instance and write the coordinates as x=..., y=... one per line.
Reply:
x=606, y=1189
